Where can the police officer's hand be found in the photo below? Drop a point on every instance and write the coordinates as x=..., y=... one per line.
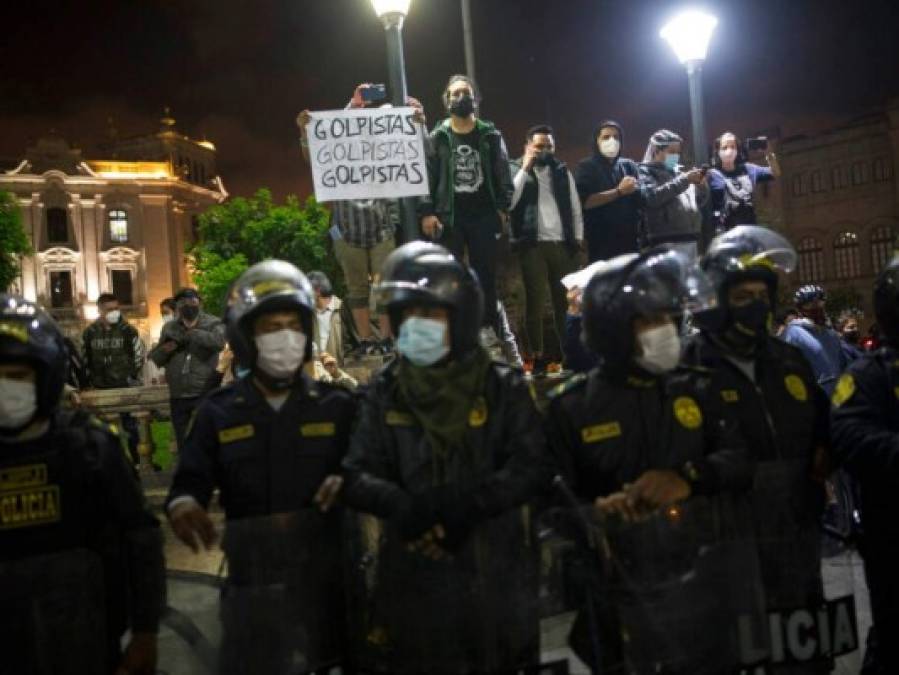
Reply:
x=658, y=488
x=429, y=544
x=191, y=522
x=328, y=492
x=140, y=656
x=431, y=227
x=619, y=504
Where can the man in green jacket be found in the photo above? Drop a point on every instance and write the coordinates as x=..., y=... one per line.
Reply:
x=471, y=187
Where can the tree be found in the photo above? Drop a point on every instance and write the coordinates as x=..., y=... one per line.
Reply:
x=13, y=241
x=244, y=231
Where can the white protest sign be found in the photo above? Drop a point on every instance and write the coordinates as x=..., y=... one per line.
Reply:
x=366, y=154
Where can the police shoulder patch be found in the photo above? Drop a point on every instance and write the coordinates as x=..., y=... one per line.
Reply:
x=844, y=390
x=601, y=432
x=398, y=418
x=317, y=429
x=730, y=395
x=236, y=433
x=571, y=383
x=796, y=387
x=687, y=412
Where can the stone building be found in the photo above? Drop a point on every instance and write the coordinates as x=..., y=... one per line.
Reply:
x=838, y=202
x=119, y=224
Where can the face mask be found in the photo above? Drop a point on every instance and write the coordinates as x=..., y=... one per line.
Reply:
x=609, y=148
x=189, y=312
x=672, y=160
x=281, y=353
x=422, y=340
x=113, y=316
x=18, y=403
x=728, y=156
x=851, y=336
x=167, y=317
x=749, y=323
x=817, y=315
x=544, y=158
x=661, y=349
x=462, y=106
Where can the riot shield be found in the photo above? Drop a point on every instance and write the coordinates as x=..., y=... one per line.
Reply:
x=474, y=611
x=807, y=627
x=54, y=615
x=672, y=594
x=282, y=607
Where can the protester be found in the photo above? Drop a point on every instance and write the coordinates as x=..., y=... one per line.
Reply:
x=672, y=198
x=607, y=184
x=547, y=232
x=732, y=181
x=333, y=374
x=328, y=329
x=470, y=188
x=189, y=350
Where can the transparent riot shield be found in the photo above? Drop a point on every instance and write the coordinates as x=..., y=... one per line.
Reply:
x=282, y=608
x=675, y=593
x=810, y=623
x=53, y=620
x=476, y=610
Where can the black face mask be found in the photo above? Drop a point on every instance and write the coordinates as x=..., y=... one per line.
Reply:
x=545, y=158
x=189, y=312
x=462, y=106
x=851, y=336
x=748, y=325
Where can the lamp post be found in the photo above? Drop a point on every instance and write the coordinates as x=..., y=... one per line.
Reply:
x=392, y=14
x=689, y=34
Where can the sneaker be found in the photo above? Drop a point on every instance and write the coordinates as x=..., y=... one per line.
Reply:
x=553, y=369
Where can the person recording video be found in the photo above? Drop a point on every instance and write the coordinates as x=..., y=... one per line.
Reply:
x=733, y=178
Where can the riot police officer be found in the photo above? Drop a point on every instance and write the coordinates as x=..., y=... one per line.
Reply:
x=447, y=448
x=80, y=553
x=865, y=432
x=272, y=443
x=769, y=388
x=646, y=444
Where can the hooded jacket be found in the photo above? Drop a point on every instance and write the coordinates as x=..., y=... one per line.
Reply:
x=611, y=229
x=672, y=205
x=494, y=162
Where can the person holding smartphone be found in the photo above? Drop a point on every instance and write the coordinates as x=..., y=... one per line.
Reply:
x=733, y=178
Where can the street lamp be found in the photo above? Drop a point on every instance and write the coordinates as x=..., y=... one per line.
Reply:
x=689, y=34
x=392, y=13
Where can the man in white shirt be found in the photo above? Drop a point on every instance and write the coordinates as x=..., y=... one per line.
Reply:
x=548, y=233
x=328, y=326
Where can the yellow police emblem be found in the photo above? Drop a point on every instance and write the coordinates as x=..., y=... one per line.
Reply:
x=240, y=433
x=687, y=412
x=844, y=391
x=600, y=432
x=730, y=395
x=478, y=415
x=318, y=429
x=796, y=387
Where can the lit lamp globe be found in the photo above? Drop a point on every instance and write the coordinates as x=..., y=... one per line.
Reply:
x=689, y=34
x=391, y=10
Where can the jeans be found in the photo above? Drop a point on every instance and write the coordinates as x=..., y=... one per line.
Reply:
x=478, y=236
x=543, y=265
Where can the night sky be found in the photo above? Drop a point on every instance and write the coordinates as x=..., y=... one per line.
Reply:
x=238, y=71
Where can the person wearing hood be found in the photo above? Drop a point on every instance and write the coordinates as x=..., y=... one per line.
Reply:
x=447, y=452
x=607, y=184
x=470, y=188
x=673, y=198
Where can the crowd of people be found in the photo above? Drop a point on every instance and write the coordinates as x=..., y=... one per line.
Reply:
x=691, y=460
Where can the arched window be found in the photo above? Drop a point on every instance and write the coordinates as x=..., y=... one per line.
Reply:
x=846, y=255
x=118, y=226
x=811, y=260
x=798, y=185
x=883, y=243
x=57, y=226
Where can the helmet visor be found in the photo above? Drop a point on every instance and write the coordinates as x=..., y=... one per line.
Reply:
x=751, y=246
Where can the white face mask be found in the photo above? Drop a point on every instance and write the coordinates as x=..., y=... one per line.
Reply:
x=281, y=353
x=728, y=155
x=18, y=402
x=661, y=349
x=610, y=147
x=168, y=317
x=113, y=316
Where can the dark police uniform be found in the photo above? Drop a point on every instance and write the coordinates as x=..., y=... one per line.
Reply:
x=71, y=504
x=663, y=584
x=865, y=431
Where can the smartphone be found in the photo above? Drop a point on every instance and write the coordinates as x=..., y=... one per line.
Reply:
x=375, y=92
x=754, y=144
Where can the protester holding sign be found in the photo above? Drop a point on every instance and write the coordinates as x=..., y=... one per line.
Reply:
x=363, y=234
x=470, y=187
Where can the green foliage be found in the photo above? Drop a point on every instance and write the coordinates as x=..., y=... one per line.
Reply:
x=244, y=231
x=13, y=240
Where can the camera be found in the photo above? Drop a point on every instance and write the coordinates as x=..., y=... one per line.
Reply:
x=375, y=92
x=756, y=144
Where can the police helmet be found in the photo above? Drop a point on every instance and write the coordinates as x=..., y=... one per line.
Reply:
x=424, y=274
x=633, y=285
x=886, y=301
x=743, y=253
x=29, y=334
x=268, y=286
x=808, y=293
